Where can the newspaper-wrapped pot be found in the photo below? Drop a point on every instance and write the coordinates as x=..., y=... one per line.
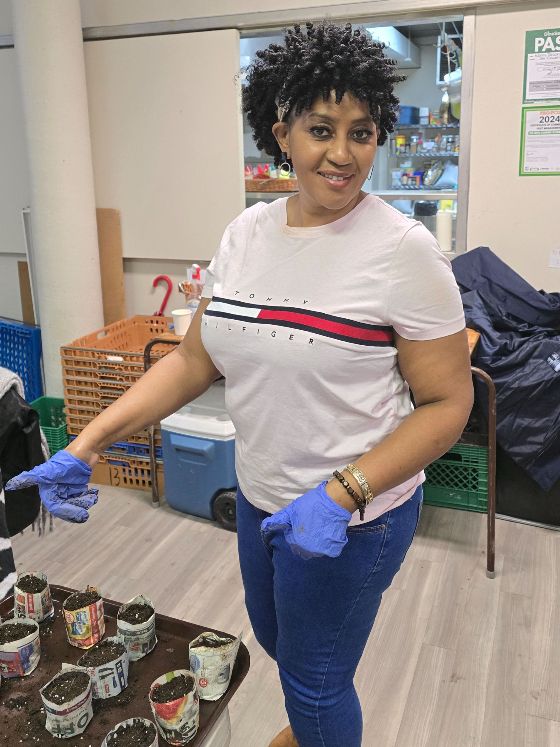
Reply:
x=85, y=626
x=36, y=605
x=177, y=718
x=132, y=723
x=211, y=659
x=139, y=638
x=20, y=657
x=110, y=678
x=70, y=717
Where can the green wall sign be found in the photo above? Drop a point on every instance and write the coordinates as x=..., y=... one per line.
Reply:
x=541, y=81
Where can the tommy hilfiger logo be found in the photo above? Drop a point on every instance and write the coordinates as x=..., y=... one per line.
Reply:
x=325, y=325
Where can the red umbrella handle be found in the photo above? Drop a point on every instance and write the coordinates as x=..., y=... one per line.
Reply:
x=166, y=279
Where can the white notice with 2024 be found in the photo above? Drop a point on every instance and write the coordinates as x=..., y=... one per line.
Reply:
x=540, y=141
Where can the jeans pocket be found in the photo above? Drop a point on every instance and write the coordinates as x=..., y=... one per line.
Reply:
x=366, y=529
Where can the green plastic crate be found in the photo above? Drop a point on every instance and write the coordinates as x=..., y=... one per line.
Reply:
x=459, y=479
x=53, y=421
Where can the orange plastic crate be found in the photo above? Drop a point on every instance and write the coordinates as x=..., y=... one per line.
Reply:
x=130, y=472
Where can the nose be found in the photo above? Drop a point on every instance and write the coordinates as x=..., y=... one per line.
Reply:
x=339, y=153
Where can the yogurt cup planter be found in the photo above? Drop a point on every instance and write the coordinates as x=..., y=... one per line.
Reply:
x=67, y=700
x=107, y=665
x=140, y=732
x=174, y=702
x=84, y=618
x=32, y=597
x=20, y=647
x=211, y=660
x=136, y=625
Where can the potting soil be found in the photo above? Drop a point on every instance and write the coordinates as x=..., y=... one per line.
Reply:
x=174, y=689
x=205, y=641
x=102, y=653
x=31, y=584
x=66, y=687
x=81, y=599
x=15, y=631
x=137, y=734
x=136, y=613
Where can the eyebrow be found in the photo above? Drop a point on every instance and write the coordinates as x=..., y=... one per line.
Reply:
x=326, y=117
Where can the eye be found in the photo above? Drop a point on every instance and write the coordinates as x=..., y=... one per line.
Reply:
x=362, y=136
x=319, y=131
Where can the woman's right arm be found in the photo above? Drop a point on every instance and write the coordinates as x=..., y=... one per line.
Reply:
x=172, y=382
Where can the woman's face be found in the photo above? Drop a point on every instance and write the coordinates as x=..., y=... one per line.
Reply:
x=332, y=147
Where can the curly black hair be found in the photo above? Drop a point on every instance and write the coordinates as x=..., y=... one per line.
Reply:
x=312, y=63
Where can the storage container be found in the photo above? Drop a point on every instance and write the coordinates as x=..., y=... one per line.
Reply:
x=409, y=115
x=459, y=479
x=20, y=352
x=199, y=458
x=52, y=421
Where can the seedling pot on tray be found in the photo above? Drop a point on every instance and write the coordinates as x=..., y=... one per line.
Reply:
x=85, y=621
x=136, y=732
x=20, y=647
x=107, y=665
x=32, y=597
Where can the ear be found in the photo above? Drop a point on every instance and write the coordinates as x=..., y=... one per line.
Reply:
x=280, y=130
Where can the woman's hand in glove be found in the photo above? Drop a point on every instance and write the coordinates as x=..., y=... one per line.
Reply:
x=314, y=525
x=63, y=486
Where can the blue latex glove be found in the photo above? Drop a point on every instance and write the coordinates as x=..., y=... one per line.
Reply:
x=63, y=486
x=314, y=525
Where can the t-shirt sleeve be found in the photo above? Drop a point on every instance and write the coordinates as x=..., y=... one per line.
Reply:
x=236, y=233
x=424, y=301
x=216, y=266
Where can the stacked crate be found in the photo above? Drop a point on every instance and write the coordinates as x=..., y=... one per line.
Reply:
x=20, y=352
x=97, y=369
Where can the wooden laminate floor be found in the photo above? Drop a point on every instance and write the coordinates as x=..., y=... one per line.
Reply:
x=455, y=659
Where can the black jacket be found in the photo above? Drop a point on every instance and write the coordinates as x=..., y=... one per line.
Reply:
x=519, y=347
x=20, y=449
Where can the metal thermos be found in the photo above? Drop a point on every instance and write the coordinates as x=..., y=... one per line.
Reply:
x=426, y=212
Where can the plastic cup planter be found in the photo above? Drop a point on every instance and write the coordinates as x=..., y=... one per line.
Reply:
x=32, y=597
x=67, y=700
x=138, y=630
x=174, y=702
x=85, y=621
x=211, y=660
x=20, y=647
x=107, y=666
x=142, y=730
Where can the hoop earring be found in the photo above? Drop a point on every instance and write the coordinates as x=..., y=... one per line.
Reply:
x=284, y=169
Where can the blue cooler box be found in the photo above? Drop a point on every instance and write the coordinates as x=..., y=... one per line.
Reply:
x=199, y=453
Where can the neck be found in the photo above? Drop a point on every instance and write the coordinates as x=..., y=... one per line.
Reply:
x=303, y=213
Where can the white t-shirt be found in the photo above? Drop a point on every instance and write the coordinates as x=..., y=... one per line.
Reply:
x=301, y=325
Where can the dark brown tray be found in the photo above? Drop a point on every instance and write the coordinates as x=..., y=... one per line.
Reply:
x=26, y=724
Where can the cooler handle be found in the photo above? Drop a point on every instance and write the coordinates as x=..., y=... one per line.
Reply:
x=194, y=445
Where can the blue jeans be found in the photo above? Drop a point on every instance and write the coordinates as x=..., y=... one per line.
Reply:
x=313, y=617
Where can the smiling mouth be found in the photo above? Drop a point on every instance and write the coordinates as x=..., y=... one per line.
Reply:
x=336, y=178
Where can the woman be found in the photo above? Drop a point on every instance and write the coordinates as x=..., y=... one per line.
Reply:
x=321, y=310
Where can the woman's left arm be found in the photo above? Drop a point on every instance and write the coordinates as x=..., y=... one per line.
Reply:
x=439, y=375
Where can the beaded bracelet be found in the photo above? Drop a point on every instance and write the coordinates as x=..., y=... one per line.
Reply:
x=359, y=501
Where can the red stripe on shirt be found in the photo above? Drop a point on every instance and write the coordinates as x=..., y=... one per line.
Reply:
x=338, y=328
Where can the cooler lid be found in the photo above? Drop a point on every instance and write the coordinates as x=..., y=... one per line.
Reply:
x=205, y=416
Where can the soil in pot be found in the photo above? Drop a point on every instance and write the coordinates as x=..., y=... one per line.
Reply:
x=31, y=584
x=137, y=734
x=172, y=690
x=80, y=599
x=102, y=653
x=15, y=632
x=66, y=687
x=205, y=641
x=136, y=613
